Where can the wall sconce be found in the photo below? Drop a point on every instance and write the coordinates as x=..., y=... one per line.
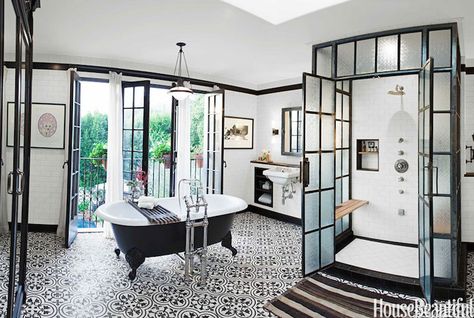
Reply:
x=275, y=132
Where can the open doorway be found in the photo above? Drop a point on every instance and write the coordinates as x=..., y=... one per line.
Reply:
x=93, y=162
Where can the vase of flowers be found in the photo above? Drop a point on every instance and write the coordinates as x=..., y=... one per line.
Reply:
x=137, y=186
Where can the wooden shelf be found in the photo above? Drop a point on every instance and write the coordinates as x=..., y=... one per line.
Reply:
x=349, y=207
x=367, y=160
x=367, y=152
x=264, y=190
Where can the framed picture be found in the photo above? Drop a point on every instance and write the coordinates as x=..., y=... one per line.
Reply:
x=48, y=123
x=238, y=133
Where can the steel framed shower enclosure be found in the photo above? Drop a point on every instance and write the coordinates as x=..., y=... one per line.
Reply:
x=404, y=52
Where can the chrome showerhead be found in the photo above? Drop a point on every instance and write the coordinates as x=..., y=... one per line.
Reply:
x=399, y=91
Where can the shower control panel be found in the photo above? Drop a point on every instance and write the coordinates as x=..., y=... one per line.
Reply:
x=401, y=166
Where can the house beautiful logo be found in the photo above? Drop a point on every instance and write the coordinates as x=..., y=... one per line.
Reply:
x=452, y=308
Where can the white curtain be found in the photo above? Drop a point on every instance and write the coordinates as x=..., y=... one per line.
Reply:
x=62, y=209
x=114, y=185
x=183, y=144
x=3, y=181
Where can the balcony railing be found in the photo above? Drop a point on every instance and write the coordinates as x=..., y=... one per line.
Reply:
x=93, y=176
x=93, y=179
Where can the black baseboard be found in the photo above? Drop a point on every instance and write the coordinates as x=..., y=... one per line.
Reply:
x=41, y=228
x=386, y=242
x=469, y=246
x=273, y=215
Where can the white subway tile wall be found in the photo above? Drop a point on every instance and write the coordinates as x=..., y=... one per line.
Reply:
x=467, y=183
x=377, y=115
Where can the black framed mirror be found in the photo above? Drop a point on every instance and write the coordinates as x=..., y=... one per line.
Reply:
x=291, y=131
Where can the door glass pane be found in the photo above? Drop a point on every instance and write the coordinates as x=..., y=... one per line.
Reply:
x=442, y=258
x=327, y=246
x=327, y=208
x=127, y=118
x=327, y=170
x=410, y=50
x=442, y=215
x=365, y=56
x=338, y=134
x=328, y=96
x=345, y=107
x=327, y=133
x=441, y=176
x=440, y=47
x=345, y=59
x=441, y=132
x=338, y=191
x=442, y=91
x=324, y=61
x=127, y=140
x=345, y=189
x=311, y=250
x=311, y=211
x=345, y=162
x=138, y=122
x=312, y=132
x=345, y=134
x=138, y=140
x=139, y=96
x=338, y=227
x=312, y=93
x=338, y=106
x=345, y=222
x=338, y=163
x=313, y=171
x=387, y=56
x=128, y=97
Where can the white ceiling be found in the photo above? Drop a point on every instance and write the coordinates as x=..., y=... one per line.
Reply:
x=224, y=42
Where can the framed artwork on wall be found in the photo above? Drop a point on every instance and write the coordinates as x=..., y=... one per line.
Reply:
x=238, y=133
x=48, y=122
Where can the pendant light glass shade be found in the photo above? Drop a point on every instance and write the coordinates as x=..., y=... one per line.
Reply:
x=179, y=90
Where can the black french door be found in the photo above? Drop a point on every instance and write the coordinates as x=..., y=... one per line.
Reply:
x=18, y=178
x=318, y=172
x=74, y=158
x=425, y=180
x=214, y=142
x=136, y=115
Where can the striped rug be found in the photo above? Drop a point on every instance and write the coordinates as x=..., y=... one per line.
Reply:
x=318, y=296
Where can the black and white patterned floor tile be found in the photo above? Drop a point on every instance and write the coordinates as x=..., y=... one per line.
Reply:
x=89, y=281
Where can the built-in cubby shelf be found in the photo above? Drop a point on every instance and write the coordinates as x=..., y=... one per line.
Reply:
x=368, y=154
x=263, y=188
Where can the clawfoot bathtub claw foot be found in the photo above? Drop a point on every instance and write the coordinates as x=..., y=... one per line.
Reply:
x=135, y=258
x=227, y=243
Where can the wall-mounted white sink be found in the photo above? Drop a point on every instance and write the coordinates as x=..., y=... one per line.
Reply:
x=282, y=175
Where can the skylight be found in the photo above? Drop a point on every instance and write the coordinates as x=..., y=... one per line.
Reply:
x=277, y=12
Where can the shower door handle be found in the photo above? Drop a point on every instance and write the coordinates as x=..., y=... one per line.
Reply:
x=437, y=179
x=304, y=172
x=10, y=182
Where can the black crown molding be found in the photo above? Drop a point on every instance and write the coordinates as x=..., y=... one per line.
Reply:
x=156, y=76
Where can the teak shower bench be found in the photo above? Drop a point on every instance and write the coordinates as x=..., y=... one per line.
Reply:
x=349, y=207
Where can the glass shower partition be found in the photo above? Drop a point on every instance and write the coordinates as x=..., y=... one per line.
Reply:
x=318, y=172
x=425, y=180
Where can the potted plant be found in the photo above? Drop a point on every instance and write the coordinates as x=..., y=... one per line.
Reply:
x=198, y=157
x=162, y=153
x=99, y=155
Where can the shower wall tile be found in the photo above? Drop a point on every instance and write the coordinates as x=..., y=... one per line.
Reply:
x=377, y=115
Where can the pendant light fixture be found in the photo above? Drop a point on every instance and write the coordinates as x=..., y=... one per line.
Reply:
x=179, y=90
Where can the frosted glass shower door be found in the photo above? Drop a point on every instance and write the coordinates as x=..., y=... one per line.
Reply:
x=425, y=179
x=318, y=172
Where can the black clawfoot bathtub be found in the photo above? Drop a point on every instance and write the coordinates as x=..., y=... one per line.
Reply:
x=138, y=239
